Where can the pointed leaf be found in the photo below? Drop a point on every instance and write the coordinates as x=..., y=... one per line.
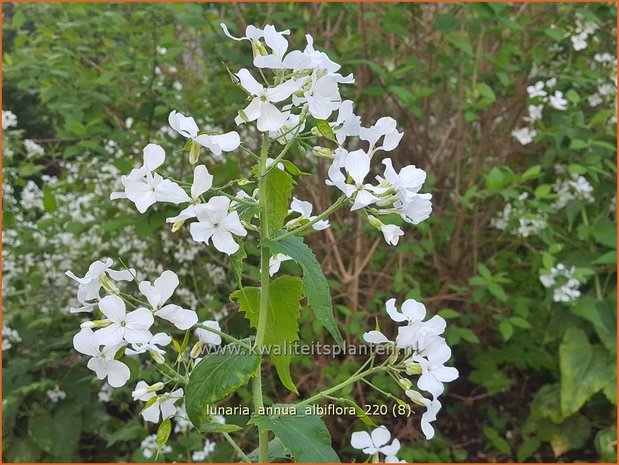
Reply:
x=315, y=284
x=278, y=193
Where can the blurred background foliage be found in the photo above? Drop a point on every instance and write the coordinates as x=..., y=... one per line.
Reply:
x=91, y=84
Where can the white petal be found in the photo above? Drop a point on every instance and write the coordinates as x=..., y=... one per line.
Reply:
x=233, y=224
x=181, y=318
x=168, y=191
x=270, y=119
x=121, y=275
x=282, y=91
x=154, y=156
x=357, y=164
x=151, y=413
x=375, y=337
x=227, y=142
x=166, y=284
x=117, y=373
x=361, y=440
x=140, y=318
x=249, y=83
x=302, y=207
x=113, y=307
x=184, y=125
x=84, y=342
x=415, y=311
x=208, y=337
x=393, y=312
x=429, y=383
x=224, y=242
x=381, y=436
x=110, y=335
x=445, y=374
x=202, y=181
x=201, y=232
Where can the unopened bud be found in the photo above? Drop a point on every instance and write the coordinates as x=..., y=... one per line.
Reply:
x=323, y=152
x=260, y=49
x=194, y=153
x=415, y=396
x=378, y=224
x=96, y=324
x=196, y=350
x=155, y=387
x=87, y=324
x=177, y=225
x=108, y=284
x=157, y=357
x=405, y=383
x=393, y=358
x=413, y=368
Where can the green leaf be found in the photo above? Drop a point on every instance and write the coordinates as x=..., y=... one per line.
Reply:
x=58, y=435
x=276, y=450
x=606, y=444
x=217, y=376
x=531, y=173
x=461, y=42
x=163, y=432
x=486, y=91
x=325, y=129
x=278, y=192
x=282, y=325
x=49, y=201
x=584, y=370
x=506, y=329
x=315, y=284
x=305, y=436
x=214, y=427
x=497, y=441
x=528, y=448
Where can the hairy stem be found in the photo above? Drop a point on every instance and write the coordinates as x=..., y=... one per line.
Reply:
x=263, y=437
x=338, y=203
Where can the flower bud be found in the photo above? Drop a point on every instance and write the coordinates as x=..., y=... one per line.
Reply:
x=96, y=324
x=196, y=350
x=375, y=222
x=177, y=225
x=323, y=152
x=415, y=396
x=87, y=324
x=260, y=48
x=413, y=368
x=108, y=284
x=157, y=357
x=155, y=387
x=405, y=383
x=194, y=153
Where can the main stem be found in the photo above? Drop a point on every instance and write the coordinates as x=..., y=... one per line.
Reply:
x=263, y=437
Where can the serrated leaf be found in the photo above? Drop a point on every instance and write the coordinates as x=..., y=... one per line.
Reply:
x=215, y=377
x=315, y=284
x=305, y=436
x=584, y=370
x=282, y=325
x=278, y=192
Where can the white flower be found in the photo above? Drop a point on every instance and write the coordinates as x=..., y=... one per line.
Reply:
x=305, y=210
x=145, y=392
x=56, y=394
x=164, y=405
x=414, y=209
x=217, y=223
x=433, y=371
x=276, y=261
x=392, y=233
x=550, y=83
x=537, y=90
x=564, y=283
x=406, y=183
x=144, y=187
x=594, y=100
x=98, y=274
x=158, y=294
x=32, y=147
x=102, y=361
x=432, y=408
x=159, y=339
x=295, y=60
x=385, y=127
x=557, y=101
x=217, y=143
x=252, y=33
x=201, y=455
x=261, y=108
x=357, y=166
x=132, y=327
x=375, y=337
x=376, y=442
x=347, y=123
x=535, y=113
x=206, y=336
x=322, y=96
x=579, y=41
x=524, y=135
x=202, y=182
x=9, y=120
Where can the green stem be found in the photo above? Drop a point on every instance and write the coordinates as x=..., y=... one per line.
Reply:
x=338, y=203
x=263, y=436
x=236, y=447
x=342, y=385
x=596, y=277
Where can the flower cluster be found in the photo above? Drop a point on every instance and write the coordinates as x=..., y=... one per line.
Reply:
x=572, y=188
x=377, y=442
x=581, y=33
x=9, y=337
x=563, y=282
x=520, y=220
x=426, y=353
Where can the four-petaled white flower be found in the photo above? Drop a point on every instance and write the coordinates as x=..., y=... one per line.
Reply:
x=305, y=210
x=433, y=371
x=164, y=404
x=392, y=233
x=209, y=337
x=216, y=222
x=357, y=166
x=376, y=442
x=322, y=95
x=132, y=327
x=261, y=108
x=385, y=127
x=144, y=187
x=202, y=182
x=152, y=345
x=217, y=143
x=347, y=123
x=536, y=90
x=88, y=291
x=159, y=293
x=295, y=60
x=557, y=101
x=102, y=362
x=524, y=135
